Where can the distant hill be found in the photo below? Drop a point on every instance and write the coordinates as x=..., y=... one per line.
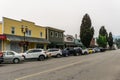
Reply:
x=116, y=37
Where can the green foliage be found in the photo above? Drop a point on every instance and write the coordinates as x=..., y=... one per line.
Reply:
x=102, y=41
x=103, y=37
x=103, y=31
x=86, y=31
x=110, y=40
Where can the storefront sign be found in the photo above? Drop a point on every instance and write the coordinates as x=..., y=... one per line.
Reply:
x=2, y=37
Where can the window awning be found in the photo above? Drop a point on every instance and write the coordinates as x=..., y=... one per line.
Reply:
x=70, y=43
x=29, y=39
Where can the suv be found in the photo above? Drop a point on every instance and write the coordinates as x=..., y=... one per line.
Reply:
x=55, y=52
x=39, y=54
x=1, y=57
x=70, y=51
x=78, y=51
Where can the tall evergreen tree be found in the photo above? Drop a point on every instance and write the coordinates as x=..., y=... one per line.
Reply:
x=103, y=37
x=86, y=31
x=110, y=40
x=103, y=31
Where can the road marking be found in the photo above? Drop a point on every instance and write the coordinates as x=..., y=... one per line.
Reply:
x=47, y=71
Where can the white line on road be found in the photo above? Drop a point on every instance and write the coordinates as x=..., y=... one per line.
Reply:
x=50, y=70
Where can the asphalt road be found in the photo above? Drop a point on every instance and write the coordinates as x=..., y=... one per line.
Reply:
x=99, y=66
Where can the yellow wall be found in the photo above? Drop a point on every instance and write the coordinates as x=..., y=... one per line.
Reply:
x=35, y=30
x=0, y=28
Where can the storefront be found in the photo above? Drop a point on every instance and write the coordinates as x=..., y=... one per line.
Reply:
x=16, y=43
x=69, y=41
x=2, y=40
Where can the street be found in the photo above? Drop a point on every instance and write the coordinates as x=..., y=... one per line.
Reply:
x=98, y=66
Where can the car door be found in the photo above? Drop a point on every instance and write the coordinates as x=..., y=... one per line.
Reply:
x=33, y=54
x=36, y=53
x=55, y=52
x=29, y=54
x=8, y=56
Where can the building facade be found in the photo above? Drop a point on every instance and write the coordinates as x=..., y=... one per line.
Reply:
x=55, y=36
x=93, y=42
x=16, y=35
x=69, y=41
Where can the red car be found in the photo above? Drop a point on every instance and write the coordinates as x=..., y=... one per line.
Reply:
x=1, y=57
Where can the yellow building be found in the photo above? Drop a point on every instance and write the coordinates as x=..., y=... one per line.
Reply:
x=21, y=35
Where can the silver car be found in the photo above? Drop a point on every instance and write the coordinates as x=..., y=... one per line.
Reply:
x=12, y=56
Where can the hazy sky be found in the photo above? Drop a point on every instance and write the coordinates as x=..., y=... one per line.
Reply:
x=65, y=14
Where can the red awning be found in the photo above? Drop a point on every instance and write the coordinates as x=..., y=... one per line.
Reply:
x=2, y=37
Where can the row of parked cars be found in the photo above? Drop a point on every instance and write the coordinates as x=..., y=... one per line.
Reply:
x=40, y=54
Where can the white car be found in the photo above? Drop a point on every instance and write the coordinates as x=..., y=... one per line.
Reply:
x=85, y=51
x=55, y=52
x=39, y=54
x=12, y=56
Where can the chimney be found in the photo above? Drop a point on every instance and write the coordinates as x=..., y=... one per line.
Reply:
x=75, y=36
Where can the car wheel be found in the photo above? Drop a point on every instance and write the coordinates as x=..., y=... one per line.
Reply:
x=16, y=60
x=66, y=55
x=58, y=56
x=85, y=53
x=41, y=58
x=77, y=54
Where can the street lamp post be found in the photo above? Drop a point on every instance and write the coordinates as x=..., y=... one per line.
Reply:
x=24, y=30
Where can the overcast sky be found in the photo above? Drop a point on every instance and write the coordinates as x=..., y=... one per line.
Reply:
x=65, y=14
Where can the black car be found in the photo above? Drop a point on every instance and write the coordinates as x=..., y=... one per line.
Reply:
x=71, y=51
x=1, y=57
x=78, y=51
x=65, y=53
x=102, y=49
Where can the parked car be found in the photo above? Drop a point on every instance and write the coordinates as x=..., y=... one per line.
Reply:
x=96, y=49
x=1, y=57
x=12, y=56
x=55, y=52
x=102, y=49
x=91, y=50
x=71, y=51
x=78, y=51
x=38, y=54
x=65, y=53
x=85, y=51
